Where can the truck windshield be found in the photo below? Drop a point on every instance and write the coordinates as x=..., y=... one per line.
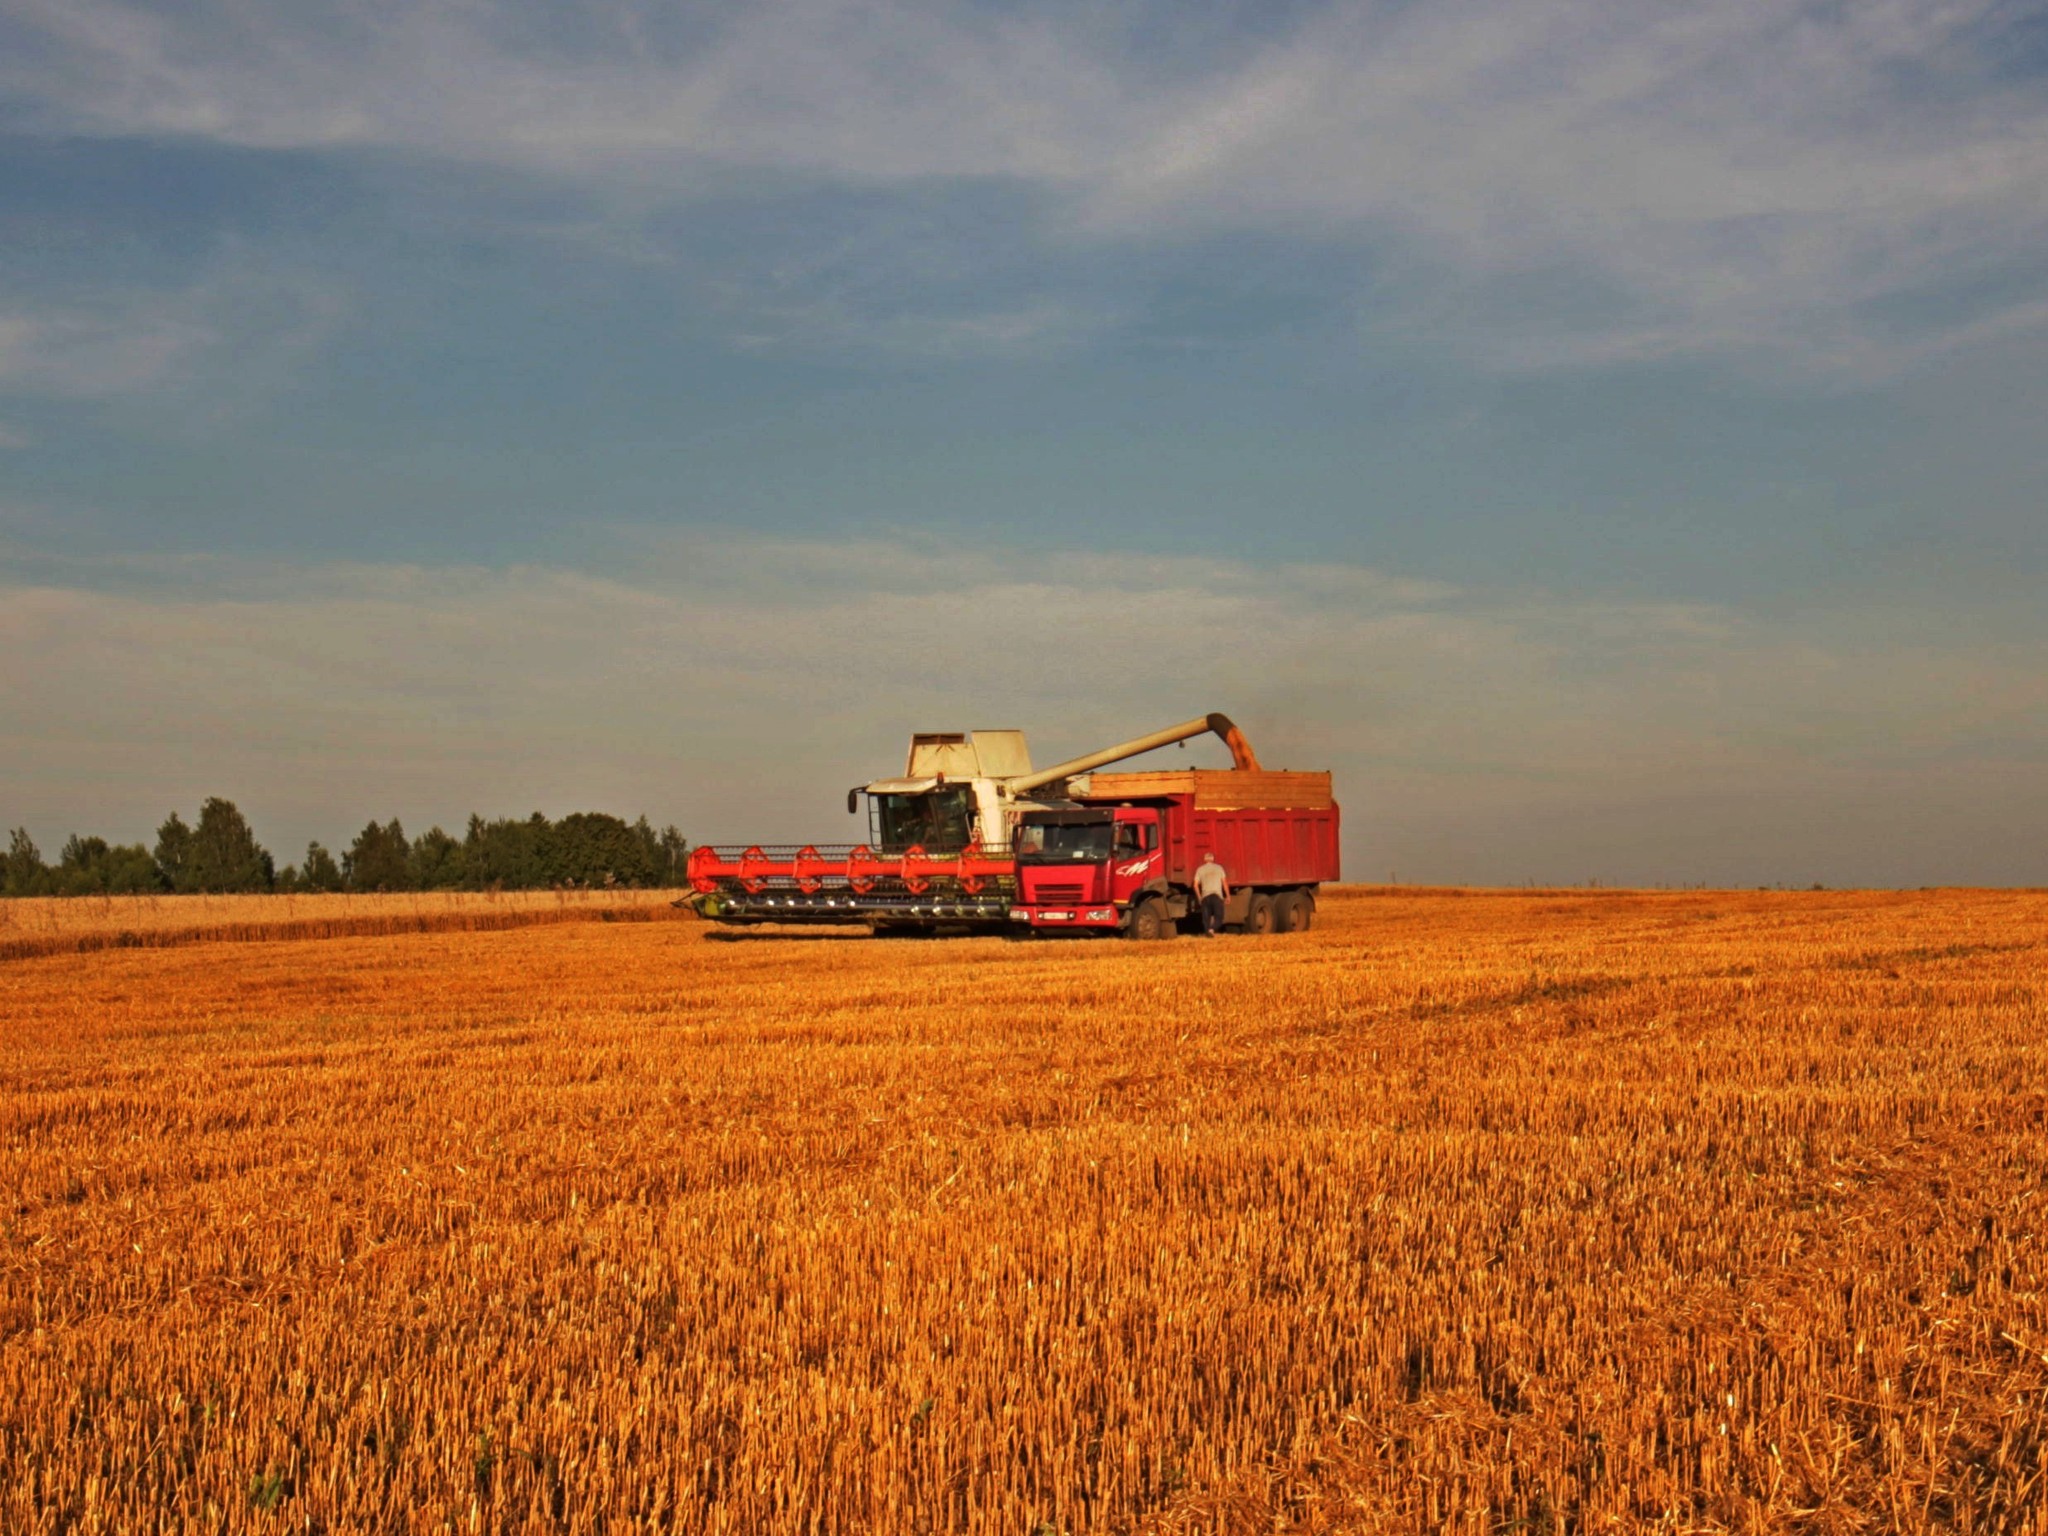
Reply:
x=1058, y=843
x=936, y=821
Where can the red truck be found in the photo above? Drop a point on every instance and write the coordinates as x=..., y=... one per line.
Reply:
x=971, y=837
x=1122, y=854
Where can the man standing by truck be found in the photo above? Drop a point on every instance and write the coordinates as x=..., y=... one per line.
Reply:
x=1212, y=885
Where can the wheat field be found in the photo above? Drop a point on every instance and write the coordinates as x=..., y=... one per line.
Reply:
x=1483, y=1212
x=51, y=925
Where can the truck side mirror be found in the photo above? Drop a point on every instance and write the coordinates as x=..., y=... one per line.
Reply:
x=853, y=801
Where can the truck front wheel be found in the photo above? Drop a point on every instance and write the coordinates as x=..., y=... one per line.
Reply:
x=1258, y=916
x=1147, y=921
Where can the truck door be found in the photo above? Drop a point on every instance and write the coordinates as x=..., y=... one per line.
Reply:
x=1136, y=859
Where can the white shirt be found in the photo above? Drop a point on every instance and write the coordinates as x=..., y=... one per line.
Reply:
x=1210, y=880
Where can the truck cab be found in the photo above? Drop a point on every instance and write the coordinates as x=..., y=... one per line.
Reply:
x=1085, y=866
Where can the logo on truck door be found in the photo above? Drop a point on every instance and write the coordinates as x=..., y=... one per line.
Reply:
x=1138, y=868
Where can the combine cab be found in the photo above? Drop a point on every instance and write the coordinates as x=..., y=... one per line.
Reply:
x=972, y=836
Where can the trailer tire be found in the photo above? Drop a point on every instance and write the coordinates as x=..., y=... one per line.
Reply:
x=1293, y=912
x=1258, y=914
x=1147, y=921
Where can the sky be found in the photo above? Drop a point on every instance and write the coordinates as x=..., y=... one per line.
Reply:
x=1609, y=436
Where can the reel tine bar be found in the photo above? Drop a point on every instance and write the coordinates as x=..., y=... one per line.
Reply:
x=854, y=867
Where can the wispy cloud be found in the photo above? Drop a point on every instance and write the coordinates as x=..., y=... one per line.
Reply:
x=87, y=354
x=738, y=687
x=1037, y=329
x=1840, y=189
x=228, y=337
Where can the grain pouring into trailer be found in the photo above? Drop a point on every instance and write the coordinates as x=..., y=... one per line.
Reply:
x=972, y=837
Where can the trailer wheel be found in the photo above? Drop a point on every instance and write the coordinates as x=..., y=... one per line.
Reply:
x=1258, y=916
x=1148, y=919
x=1293, y=911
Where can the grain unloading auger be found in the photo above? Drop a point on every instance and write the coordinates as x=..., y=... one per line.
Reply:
x=959, y=838
x=940, y=846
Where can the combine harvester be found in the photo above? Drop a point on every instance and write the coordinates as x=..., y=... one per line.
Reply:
x=972, y=837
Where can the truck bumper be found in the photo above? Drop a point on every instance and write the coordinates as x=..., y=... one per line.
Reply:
x=1068, y=917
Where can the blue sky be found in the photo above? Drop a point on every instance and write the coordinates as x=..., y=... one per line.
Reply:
x=1608, y=435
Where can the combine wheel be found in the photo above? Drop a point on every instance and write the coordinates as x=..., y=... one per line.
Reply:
x=1258, y=917
x=1147, y=921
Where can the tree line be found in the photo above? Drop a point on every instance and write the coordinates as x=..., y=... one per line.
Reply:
x=219, y=853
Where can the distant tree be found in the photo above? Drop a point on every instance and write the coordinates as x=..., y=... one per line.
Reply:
x=220, y=853
x=675, y=856
x=508, y=855
x=174, y=854
x=668, y=852
x=24, y=873
x=82, y=866
x=436, y=861
x=319, y=872
x=88, y=867
x=649, y=841
x=594, y=849
x=379, y=859
x=130, y=871
x=82, y=852
x=225, y=855
x=537, y=839
x=476, y=853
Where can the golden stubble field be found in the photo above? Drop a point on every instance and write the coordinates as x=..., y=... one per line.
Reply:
x=1510, y=1212
x=52, y=925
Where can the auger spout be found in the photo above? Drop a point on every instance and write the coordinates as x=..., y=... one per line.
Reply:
x=1241, y=755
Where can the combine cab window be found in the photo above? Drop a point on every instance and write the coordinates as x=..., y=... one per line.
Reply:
x=1063, y=843
x=936, y=821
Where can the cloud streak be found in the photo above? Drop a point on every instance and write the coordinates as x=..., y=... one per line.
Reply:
x=1838, y=189
x=79, y=354
x=226, y=340
x=737, y=688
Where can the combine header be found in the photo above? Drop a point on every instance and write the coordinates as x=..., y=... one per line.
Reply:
x=972, y=836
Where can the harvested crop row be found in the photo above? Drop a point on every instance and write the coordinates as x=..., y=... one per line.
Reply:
x=49, y=920
x=337, y=925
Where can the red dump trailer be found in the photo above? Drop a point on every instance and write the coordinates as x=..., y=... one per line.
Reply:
x=1073, y=850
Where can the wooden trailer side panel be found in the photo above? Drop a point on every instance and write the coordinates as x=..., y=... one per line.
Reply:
x=1213, y=789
